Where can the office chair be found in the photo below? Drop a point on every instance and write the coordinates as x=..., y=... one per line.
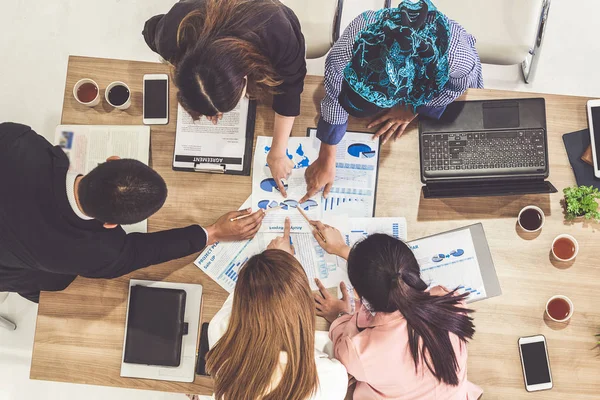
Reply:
x=4, y=323
x=320, y=21
x=508, y=32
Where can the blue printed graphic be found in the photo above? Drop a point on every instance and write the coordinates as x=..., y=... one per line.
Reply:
x=441, y=257
x=361, y=150
x=299, y=158
x=269, y=185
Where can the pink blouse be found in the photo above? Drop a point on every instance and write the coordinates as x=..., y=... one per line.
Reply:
x=379, y=358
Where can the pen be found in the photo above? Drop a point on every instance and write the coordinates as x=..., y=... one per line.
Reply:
x=247, y=215
x=308, y=220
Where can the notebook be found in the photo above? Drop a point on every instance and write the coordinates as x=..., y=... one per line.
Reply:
x=193, y=310
x=576, y=144
x=155, y=326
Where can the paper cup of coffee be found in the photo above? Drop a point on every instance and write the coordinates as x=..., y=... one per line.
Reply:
x=531, y=218
x=118, y=95
x=565, y=247
x=87, y=92
x=559, y=308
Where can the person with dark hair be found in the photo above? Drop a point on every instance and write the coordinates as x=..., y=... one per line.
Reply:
x=223, y=50
x=406, y=341
x=56, y=224
x=390, y=66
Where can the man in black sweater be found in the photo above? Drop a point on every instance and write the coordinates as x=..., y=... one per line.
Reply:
x=56, y=225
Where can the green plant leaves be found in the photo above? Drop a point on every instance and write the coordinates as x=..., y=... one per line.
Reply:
x=581, y=201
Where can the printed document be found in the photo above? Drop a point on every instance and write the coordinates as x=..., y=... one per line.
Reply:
x=450, y=260
x=356, y=167
x=265, y=194
x=203, y=145
x=87, y=146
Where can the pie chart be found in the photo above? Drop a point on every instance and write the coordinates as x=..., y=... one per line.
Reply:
x=308, y=204
x=361, y=150
x=457, y=252
x=287, y=204
x=438, y=257
x=269, y=185
x=264, y=204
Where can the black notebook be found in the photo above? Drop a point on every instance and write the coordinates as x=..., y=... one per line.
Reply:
x=155, y=326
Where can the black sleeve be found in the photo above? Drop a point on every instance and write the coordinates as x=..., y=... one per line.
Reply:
x=288, y=54
x=160, y=31
x=140, y=250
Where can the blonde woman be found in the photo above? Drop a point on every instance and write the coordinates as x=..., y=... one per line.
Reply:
x=263, y=339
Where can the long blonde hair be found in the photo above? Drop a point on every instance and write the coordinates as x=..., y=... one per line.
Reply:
x=273, y=311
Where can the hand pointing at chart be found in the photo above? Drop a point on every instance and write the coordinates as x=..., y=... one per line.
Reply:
x=284, y=242
x=330, y=239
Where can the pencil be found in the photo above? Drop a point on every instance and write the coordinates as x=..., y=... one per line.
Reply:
x=247, y=215
x=308, y=220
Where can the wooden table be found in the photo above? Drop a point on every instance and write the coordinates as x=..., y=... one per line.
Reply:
x=79, y=333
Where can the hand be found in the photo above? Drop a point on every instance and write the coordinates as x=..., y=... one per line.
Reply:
x=281, y=168
x=328, y=306
x=335, y=243
x=215, y=118
x=226, y=230
x=393, y=121
x=285, y=242
x=319, y=175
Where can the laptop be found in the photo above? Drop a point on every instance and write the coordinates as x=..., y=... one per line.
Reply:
x=486, y=148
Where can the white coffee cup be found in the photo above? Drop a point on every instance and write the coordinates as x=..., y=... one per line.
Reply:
x=81, y=82
x=531, y=207
x=572, y=239
x=123, y=106
x=571, y=308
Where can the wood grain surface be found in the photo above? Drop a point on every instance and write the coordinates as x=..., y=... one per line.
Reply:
x=79, y=333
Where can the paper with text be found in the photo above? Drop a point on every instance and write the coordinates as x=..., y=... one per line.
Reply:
x=265, y=194
x=203, y=145
x=354, y=189
x=449, y=259
x=87, y=146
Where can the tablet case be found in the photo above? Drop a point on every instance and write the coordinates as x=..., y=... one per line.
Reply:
x=247, y=164
x=576, y=144
x=155, y=326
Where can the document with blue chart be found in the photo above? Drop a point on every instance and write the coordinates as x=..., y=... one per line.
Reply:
x=265, y=193
x=450, y=260
x=356, y=168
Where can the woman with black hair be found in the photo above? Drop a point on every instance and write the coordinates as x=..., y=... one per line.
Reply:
x=405, y=341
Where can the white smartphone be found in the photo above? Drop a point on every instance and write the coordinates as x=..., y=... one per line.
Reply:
x=593, y=112
x=535, y=362
x=156, y=99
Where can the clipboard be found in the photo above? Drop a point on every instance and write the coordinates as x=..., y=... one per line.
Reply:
x=218, y=164
x=484, y=258
x=308, y=130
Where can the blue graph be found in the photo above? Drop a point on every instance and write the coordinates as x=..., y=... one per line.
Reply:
x=308, y=204
x=361, y=150
x=287, y=204
x=454, y=253
x=269, y=185
x=264, y=204
x=299, y=157
x=232, y=270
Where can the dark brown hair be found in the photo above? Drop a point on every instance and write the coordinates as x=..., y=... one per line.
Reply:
x=386, y=273
x=273, y=311
x=218, y=48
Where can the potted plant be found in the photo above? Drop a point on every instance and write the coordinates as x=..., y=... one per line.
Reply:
x=580, y=201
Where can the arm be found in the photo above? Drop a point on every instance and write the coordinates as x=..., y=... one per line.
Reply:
x=279, y=163
x=218, y=325
x=344, y=349
x=139, y=250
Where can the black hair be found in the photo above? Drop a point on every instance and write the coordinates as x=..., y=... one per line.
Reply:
x=122, y=192
x=385, y=272
x=355, y=105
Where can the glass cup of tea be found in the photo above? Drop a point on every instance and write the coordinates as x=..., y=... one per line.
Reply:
x=565, y=248
x=118, y=95
x=559, y=308
x=531, y=218
x=86, y=92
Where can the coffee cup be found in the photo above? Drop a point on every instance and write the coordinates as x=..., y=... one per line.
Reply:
x=118, y=95
x=565, y=247
x=559, y=308
x=531, y=218
x=87, y=92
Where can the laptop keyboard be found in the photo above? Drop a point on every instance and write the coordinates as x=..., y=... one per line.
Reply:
x=483, y=153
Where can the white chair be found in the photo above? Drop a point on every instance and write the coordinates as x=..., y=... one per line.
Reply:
x=508, y=32
x=4, y=323
x=320, y=21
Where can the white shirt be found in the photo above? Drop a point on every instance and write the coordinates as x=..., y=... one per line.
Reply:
x=333, y=378
x=71, y=177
